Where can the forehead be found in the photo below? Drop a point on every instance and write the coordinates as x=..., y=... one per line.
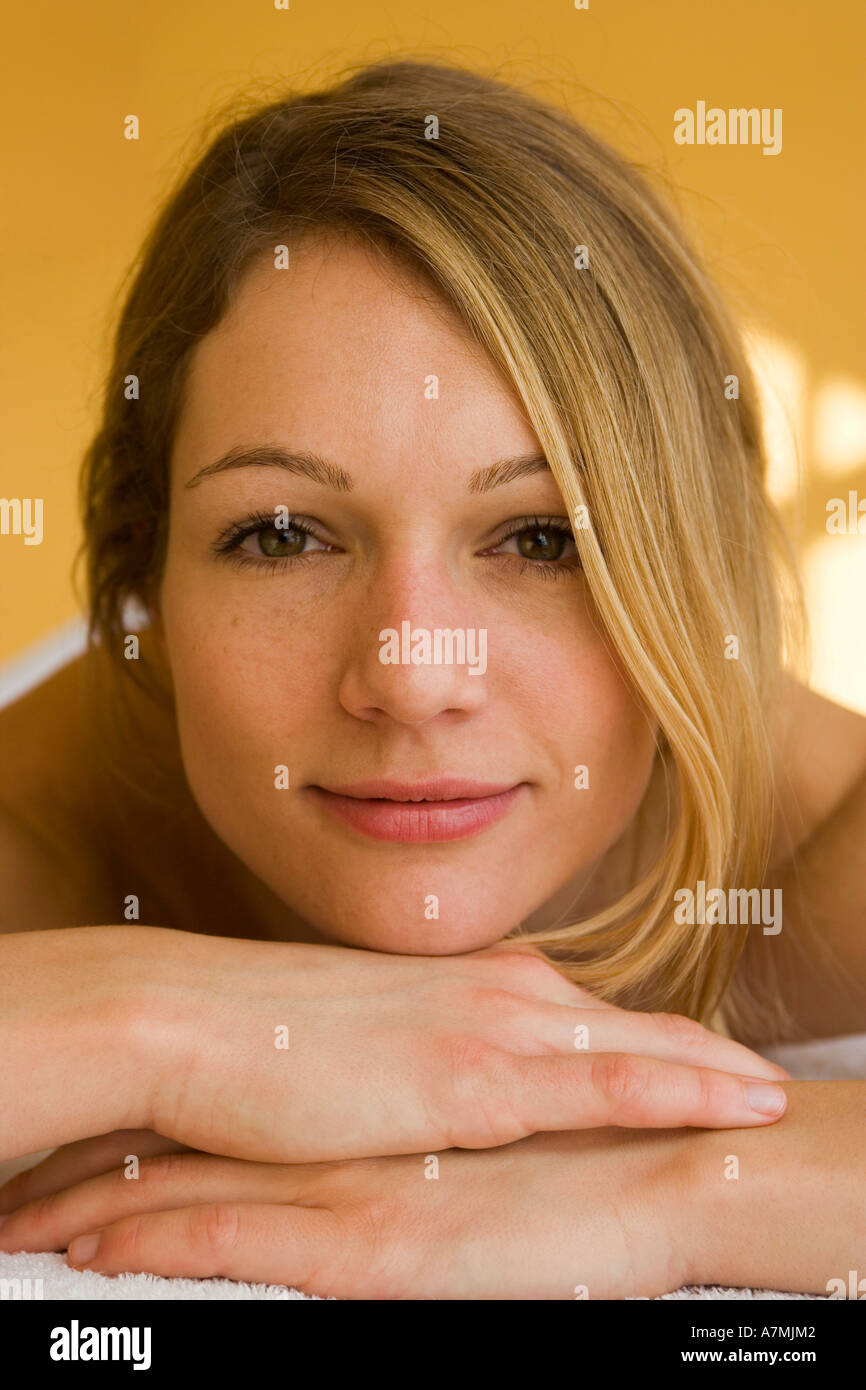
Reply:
x=343, y=346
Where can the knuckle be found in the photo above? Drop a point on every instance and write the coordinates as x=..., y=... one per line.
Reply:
x=528, y=964
x=365, y=1249
x=502, y=1002
x=125, y=1243
x=682, y=1029
x=477, y=1113
x=215, y=1227
x=623, y=1078
x=162, y=1168
x=365, y=1222
x=44, y=1211
x=708, y=1088
x=471, y=998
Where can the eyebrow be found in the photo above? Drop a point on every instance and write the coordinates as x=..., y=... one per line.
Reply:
x=330, y=475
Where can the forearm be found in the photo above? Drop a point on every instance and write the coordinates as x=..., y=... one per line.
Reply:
x=75, y=1058
x=783, y=1207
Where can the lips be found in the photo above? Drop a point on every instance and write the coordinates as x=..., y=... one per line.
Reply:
x=442, y=808
x=445, y=788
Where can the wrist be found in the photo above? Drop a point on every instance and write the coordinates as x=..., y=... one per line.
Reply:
x=119, y=1023
x=780, y=1206
x=723, y=1198
x=154, y=1019
x=72, y=1063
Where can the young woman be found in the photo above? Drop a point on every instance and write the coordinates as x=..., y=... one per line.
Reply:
x=434, y=459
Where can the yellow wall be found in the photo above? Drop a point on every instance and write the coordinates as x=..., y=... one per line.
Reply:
x=784, y=234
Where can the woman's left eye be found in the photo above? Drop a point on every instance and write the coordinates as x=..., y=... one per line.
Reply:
x=543, y=542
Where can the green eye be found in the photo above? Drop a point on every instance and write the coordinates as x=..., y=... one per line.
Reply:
x=259, y=541
x=276, y=541
x=542, y=544
x=545, y=543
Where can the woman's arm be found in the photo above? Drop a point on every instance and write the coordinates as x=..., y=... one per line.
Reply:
x=784, y=1208
x=75, y=1059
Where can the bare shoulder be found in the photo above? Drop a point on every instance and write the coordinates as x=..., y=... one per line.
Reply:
x=817, y=964
x=95, y=810
x=48, y=881
x=819, y=751
x=51, y=870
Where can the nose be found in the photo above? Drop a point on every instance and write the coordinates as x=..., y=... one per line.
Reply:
x=416, y=651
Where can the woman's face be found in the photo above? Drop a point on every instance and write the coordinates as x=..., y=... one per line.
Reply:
x=274, y=635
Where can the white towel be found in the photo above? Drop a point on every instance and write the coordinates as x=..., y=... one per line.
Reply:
x=828, y=1059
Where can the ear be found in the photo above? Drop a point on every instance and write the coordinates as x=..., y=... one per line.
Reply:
x=155, y=623
x=158, y=630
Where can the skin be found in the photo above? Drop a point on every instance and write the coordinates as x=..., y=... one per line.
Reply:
x=281, y=666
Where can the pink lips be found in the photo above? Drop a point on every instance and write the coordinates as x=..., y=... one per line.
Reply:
x=442, y=808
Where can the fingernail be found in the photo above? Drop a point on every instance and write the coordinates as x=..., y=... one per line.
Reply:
x=82, y=1250
x=764, y=1097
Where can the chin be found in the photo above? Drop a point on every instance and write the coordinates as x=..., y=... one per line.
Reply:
x=435, y=939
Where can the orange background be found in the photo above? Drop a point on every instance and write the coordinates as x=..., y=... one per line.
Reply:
x=783, y=234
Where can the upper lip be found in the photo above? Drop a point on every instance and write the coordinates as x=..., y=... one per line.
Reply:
x=429, y=789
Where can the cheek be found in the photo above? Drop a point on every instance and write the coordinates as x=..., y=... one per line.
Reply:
x=577, y=699
x=624, y=744
x=242, y=710
x=619, y=738
x=245, y=691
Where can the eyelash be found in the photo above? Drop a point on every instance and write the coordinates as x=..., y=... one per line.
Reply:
x=228, y=542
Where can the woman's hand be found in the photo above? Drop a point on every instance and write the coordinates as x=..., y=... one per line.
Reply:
x=283, y=1052
x=600, y=1214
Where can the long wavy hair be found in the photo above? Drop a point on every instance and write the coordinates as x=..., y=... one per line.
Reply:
x=579, y=283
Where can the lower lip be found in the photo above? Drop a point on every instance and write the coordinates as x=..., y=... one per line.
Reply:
x=419, y=822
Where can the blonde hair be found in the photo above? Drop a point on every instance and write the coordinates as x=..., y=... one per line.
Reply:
x=620, y=355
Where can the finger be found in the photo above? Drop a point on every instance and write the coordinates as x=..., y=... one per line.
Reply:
x=670, y=1037
x=616, y=1088
x=164, y=1182
x=298, y=1247
x=73, y=1163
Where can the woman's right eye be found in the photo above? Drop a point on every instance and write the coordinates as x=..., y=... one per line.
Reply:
x=275, y=542
x=260, y=540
